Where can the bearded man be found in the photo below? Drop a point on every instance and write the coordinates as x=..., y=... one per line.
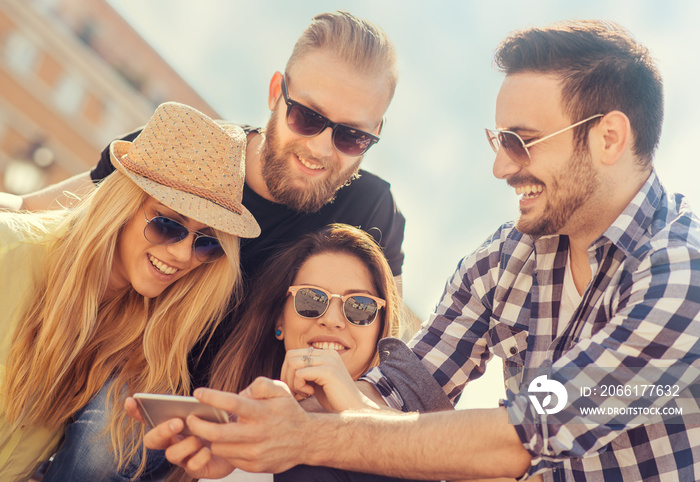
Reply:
x=301, y=173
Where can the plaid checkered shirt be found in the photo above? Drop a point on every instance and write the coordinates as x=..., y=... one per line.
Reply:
x=639, y=314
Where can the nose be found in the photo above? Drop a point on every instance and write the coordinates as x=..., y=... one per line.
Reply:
x=333, y=317
x=503, y=166
x=182, y=250
x=321, y=146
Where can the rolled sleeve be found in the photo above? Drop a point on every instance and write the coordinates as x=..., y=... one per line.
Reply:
x=403, y=381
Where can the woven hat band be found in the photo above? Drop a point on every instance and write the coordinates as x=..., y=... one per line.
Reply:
x=212, y=196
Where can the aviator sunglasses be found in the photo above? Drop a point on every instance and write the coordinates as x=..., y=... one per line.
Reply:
x=307, y=122
x=360, y=309
x=162, y=231
x=515, y=146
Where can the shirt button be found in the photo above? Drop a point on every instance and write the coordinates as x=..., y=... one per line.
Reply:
x=513, y=350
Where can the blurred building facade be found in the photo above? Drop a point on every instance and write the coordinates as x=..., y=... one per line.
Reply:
x=73, y=76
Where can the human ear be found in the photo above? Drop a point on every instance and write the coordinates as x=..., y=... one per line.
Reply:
x=616, y=134
x=275, y=90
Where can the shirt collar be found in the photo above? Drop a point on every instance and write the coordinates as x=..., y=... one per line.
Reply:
x=631, y=227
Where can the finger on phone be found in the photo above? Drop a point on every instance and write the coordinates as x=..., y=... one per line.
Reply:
x=261, y=388
x=132, y=409
x=164, y=435
x=207, y=430
x=216, y=398
x=199, y=460
x=183, y=451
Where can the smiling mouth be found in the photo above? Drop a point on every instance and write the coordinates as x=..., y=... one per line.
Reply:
x=328, y=345
x=530, y=191
x=160, y=266
x=310, y=165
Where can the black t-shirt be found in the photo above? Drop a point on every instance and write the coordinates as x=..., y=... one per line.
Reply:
x=366, y=203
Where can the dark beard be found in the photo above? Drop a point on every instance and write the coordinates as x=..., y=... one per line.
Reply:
x=577, y=184
x=314, y=194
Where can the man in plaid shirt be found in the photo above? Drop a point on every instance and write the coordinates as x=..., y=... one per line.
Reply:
x=602, y=269
x=595, y=287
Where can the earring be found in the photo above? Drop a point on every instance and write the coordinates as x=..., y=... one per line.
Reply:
x=278, y=333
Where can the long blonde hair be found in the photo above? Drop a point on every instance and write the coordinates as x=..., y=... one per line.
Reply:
x=71, y=342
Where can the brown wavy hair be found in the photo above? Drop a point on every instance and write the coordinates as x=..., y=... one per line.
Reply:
x=252, y=349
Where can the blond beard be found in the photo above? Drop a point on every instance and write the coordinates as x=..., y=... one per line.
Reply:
x=311, y=196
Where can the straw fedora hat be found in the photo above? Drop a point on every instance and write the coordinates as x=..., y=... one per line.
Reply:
x=192, y=165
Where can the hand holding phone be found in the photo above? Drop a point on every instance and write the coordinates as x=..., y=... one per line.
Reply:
x=157, y=408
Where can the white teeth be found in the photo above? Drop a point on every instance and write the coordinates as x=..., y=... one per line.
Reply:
x=162, y=267
x=306, y=163
x=529, y=191
x=328, y=345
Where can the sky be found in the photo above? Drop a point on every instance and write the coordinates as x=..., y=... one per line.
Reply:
x=433, y=149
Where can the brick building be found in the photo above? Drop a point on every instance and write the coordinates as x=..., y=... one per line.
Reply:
x=73, y=75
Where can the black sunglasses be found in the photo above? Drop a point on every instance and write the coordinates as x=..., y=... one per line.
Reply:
x=161, y=230
x=307, y=122
x=312, y=302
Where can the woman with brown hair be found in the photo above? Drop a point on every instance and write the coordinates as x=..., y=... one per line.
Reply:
x=290, y=307
x=313, y=317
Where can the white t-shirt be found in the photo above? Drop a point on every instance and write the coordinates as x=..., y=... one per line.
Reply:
x=570, y=298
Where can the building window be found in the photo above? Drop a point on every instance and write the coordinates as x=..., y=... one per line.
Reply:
x=47, y=6
x=20, y=53
x=68, y=96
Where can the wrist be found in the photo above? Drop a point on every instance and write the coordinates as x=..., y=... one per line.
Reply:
x=323, y=429
x=11, y=202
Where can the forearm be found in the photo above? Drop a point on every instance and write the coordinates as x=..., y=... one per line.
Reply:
x=10, y=202
x=441, y=445
x=368, y=390
x=374, y=401
x=53, y=197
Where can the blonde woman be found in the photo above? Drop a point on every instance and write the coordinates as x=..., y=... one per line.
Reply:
x=109, y=298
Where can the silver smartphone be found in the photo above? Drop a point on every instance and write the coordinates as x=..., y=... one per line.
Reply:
x=157, y=408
